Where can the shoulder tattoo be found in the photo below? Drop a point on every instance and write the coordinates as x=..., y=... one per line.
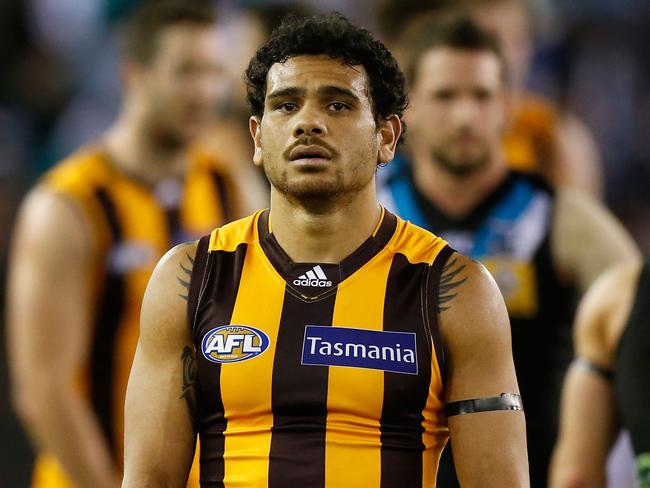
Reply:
x=189, y=384
x=451, y=279
x=184, y=275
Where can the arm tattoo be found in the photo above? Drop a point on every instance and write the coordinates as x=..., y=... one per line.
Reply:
x=450, y=280
x=189, y=384
x=185, y=275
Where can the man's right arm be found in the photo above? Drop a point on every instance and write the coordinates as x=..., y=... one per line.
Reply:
x=49, y=331
x=160, y=410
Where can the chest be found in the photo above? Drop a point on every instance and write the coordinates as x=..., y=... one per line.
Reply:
x=265, y=348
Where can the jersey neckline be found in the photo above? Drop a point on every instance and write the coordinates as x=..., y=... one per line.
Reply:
x=287, y=268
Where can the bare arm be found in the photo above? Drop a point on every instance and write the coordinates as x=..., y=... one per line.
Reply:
x=49, y=335
x=587, y=239
x=489, y=447
x=160, y=398
x=588, y=425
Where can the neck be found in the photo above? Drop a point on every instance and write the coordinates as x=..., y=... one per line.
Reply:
x=135, y=150
x=327, y=232
x=456, y=196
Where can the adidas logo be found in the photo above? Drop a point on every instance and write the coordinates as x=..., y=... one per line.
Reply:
x=314, y=277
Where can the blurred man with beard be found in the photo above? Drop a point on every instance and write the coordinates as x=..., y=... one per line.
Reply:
x=538, y=137
x=90, y=233
x=542, y=246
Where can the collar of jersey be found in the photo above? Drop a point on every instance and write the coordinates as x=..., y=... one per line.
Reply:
x=284, y=266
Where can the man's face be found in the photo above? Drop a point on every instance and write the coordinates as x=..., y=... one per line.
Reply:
x=458, y=109
x=178, y=88
x=318, y=139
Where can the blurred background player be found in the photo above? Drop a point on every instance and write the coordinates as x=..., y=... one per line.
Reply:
x=538, y=137
x=90, y=233
x=456, y=182
x=243, y=28
x=608, y=385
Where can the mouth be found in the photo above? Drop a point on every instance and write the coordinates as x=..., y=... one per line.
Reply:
x=310, y=154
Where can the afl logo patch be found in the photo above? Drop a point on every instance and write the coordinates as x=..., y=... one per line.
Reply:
x=234, y=343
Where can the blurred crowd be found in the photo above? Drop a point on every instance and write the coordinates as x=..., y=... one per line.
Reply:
x=61, y=87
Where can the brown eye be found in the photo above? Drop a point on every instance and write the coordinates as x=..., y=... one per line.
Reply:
x=287, y=107
x=338, y=106
x=482, y=95
x=443, y=95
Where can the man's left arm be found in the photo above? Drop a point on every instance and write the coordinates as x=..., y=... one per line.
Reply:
x=486, y=422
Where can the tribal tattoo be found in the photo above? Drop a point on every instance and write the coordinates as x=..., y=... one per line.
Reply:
x=450, y=280
x=185, y=275
x=190, y=383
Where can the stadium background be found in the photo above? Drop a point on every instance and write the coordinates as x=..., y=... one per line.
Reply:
x=59, y=87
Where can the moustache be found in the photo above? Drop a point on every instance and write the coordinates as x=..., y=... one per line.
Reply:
x=310, y=141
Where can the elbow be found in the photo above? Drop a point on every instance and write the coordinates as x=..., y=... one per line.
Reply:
x=26, y=407
x=576, y=477
x=35, y=400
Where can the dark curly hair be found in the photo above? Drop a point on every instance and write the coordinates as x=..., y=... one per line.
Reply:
x=331, y=35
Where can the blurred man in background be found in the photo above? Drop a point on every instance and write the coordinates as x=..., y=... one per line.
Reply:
x=90, y=233
x=243, y=29
x=456, y=182
x=538, y=137
x=608, y=385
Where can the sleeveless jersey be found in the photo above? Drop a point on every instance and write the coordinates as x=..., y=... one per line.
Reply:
x=316, y=374
x=509, y=233
x=131, y=227
x=632, y=377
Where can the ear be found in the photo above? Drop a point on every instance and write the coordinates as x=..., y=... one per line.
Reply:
x=388, y=134
x=131, y=73
x=255, y=128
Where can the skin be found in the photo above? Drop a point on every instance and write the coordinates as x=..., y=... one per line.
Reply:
x=165, y=106
x=575, y=159
x=322, y=210
x=457, y=118
x=588, y=425
x=459, y=105
x=169, y=102
x=227, y=137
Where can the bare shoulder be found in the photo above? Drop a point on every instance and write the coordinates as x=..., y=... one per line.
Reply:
x=586, y=238
x=475, y=331
x=574, y=209
x=164, y=307
x=50, y=230
x=604, y=311
x=469, y=300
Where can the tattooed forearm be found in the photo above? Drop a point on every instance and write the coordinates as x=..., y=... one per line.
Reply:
x=185, y=275
x=189, y=384
x=450, y=279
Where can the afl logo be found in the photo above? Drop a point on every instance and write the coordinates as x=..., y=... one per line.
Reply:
x=233, y=343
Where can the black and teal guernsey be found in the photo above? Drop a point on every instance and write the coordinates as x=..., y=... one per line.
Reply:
x=509, y=232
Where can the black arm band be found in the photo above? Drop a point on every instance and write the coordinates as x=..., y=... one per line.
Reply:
x=604, y=373
x=505, y=401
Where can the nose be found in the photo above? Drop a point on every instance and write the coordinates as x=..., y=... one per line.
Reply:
x=466, y=111
x=309, y=122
